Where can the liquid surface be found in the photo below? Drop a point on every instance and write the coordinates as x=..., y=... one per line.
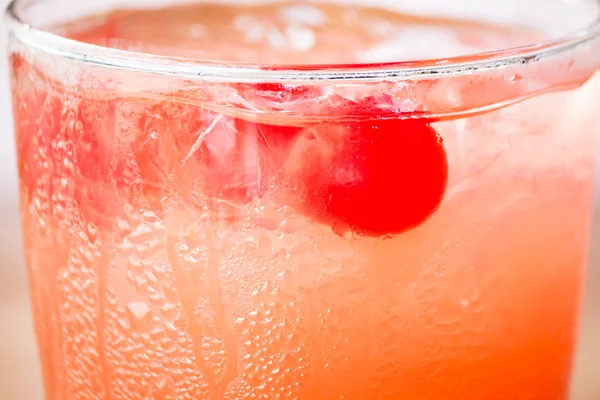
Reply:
x=293, y=33
x=184, y=248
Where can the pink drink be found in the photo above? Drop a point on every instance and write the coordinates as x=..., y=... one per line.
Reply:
x=233, y=236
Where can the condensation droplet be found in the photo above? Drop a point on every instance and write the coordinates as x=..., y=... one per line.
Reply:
x=140, y=316
x=170, y=311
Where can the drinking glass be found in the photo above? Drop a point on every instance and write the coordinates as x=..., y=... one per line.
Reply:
x=333, y=204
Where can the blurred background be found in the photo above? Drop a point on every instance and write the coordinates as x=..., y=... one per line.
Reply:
x=19, y=372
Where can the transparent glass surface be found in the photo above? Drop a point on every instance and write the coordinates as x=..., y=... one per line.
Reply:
x=312, y=201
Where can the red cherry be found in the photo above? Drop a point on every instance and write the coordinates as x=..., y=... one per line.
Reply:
x=376, y=177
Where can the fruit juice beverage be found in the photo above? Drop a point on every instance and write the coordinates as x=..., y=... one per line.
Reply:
x=311, y=201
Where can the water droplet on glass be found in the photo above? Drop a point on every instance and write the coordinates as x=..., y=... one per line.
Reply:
x=170, y=311
x=140, y=316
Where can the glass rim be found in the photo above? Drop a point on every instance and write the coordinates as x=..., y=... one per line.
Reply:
x=191, y=68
